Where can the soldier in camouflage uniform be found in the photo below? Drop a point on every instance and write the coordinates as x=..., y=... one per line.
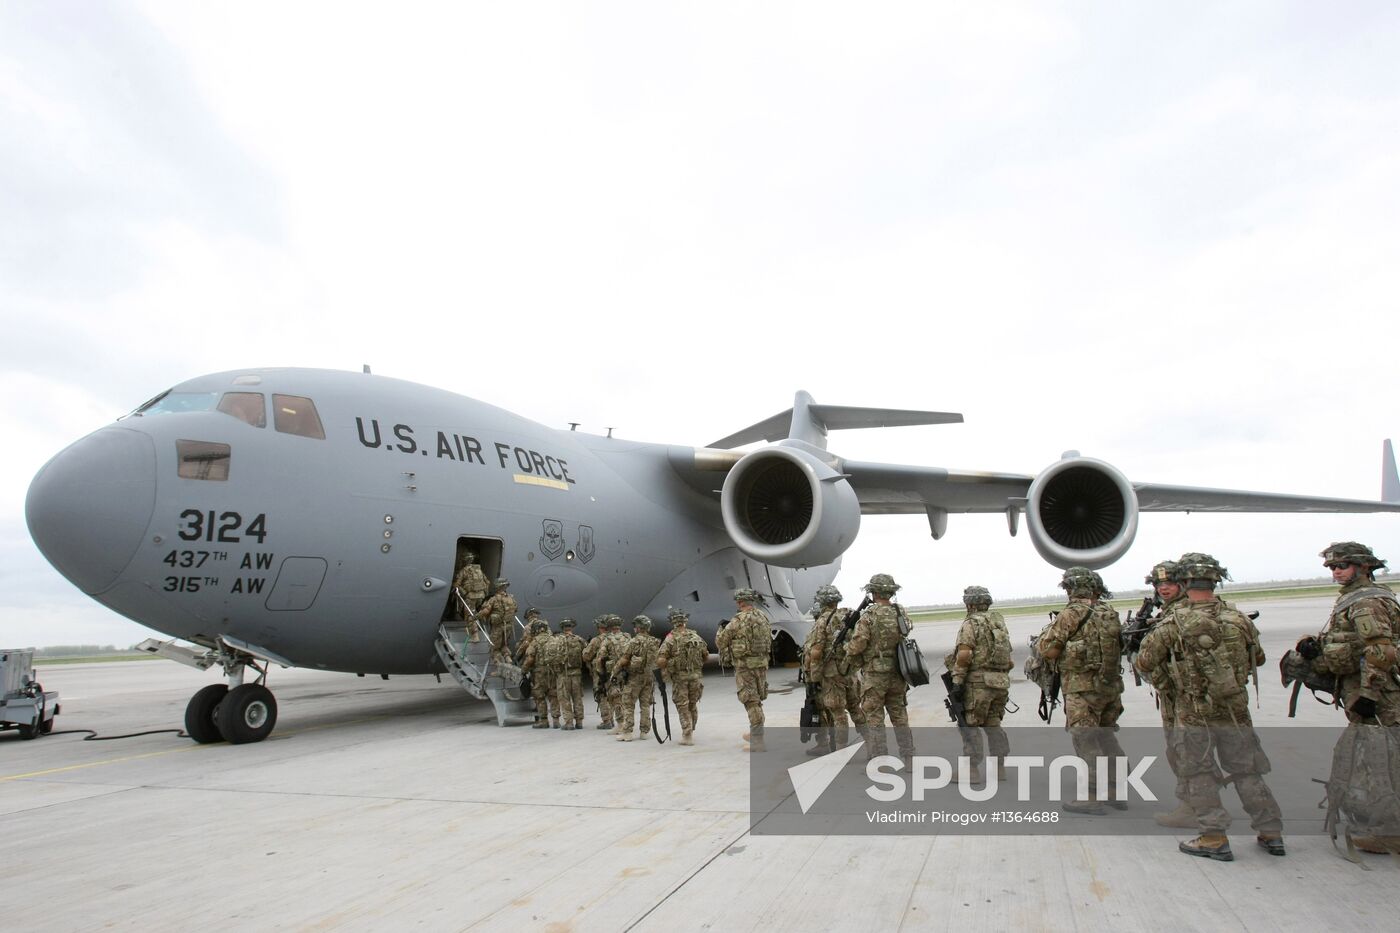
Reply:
x=638, y=661
x=1086, y=640
x=544, y=676
x=872, y=649
x=748, y=640
x=593, y=658
x=831, y=669
x=566, y=655
x=610, y=653
x=981, y=665
x=1169, y=593
x=471, y=585
x=682, y=661
x=499, y=614
x=1209, y=650
x=1358, y=646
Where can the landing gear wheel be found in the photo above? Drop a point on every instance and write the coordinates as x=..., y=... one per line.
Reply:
x=247, y=714
x=200, y=722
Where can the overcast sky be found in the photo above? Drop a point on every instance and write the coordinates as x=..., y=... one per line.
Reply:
x=1164, y=235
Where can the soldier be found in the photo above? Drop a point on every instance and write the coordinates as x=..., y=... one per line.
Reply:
x=638, y=659
x=566, y=655
x=611, y=653
x=470, y=585
x=1168, y=592
x=531, y=615
x=980, y=665
x=1086, y=640
x=831, y=669
x=499, y=612
x=748, y=640
x=1209, y=649
x=872, y=647
x=682, y=660
x=593, y=658
x=1358, y=647
x=543, y=675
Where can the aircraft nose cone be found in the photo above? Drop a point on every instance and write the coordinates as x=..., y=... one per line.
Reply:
x=89, y=507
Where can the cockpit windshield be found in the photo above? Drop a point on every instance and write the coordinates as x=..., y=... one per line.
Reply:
x=172, y=402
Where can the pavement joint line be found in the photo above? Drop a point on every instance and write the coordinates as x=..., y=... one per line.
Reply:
x=94, y=764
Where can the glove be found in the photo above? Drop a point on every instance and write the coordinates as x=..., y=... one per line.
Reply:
x=1364, y=707
x=1309, y=647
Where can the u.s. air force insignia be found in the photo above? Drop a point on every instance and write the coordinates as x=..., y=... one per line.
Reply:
x=585, y=543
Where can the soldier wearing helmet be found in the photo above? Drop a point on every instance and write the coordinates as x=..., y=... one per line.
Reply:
x=1085, y=639
x=1167, y=593
x=1358, y=645
x=499, y=614
x=543, y=674
x=748, y=639
x=637, y=661
x=1209, y=649
x=682, y=659
x=566, y=655
x=469, y=589
x=838, y=683
x=980, y=664
x=610, y=653
x=872, y=647
x=593, y=660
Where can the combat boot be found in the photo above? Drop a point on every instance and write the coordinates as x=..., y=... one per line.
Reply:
x=1271, y=843
x=1377, y=845
x=1183, y=817
x=554, y=724
x=604, y=725
x=626, y=737
x=756, y=740
x=1209, y=845
x=973, y=775
x=686, y=738
x=540, y=724
x=1085, y=807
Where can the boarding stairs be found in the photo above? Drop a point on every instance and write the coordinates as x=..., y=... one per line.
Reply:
x=469, y=662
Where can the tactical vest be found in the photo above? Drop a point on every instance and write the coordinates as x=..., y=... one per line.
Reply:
x=883, y=624
x=1091, y=657
x=641, y=651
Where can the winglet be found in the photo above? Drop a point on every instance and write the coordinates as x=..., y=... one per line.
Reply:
x=809, y=422
x=1390, y=482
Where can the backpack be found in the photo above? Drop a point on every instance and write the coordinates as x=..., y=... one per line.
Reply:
x=1209, y=654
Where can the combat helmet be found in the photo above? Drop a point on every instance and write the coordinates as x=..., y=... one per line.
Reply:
x=566, y=624
x=1079, y=581
x=746, y=594
x=641, y=623
x=1194, y=566
x=1099, y=588
x=469, y=556
x=827, y=595
x=614, y=621
x=1350, y=552
x=977, y=596
x=882, y=584
x=538, y=626
x=502, y=583
x=1161, y=572
x=532, y=613
x=676, y=615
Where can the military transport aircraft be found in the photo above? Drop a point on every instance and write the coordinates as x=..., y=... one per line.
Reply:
x=251, y=514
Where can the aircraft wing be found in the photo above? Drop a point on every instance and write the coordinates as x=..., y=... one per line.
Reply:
x=892, y=489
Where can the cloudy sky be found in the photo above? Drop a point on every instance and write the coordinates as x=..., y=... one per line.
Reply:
x=1163, y=235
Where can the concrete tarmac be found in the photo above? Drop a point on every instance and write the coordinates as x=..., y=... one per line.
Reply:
x=401, y=804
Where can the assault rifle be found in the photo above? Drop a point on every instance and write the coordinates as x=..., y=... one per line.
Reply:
x=957, y=693
x=849, y=624
x=665, y=708
x=1136, y=630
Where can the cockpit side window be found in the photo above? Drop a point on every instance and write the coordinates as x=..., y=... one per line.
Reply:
x=295, y=414
x=245, y=406
x=203, y=459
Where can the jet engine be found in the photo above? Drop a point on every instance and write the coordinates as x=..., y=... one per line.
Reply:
x=1081, y=512
x=784, y=506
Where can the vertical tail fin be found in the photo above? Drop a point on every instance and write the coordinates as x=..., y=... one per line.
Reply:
x=1390, y=482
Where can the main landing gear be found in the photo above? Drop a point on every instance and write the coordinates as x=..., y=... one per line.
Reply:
x=235, y=712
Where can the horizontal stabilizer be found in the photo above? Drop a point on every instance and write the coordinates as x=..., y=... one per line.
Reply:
x=810, y=422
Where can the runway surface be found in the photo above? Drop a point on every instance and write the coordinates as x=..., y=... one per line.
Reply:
x=401, y=804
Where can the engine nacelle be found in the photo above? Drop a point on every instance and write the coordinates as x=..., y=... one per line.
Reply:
x=1081, y=512
x=783, y=506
